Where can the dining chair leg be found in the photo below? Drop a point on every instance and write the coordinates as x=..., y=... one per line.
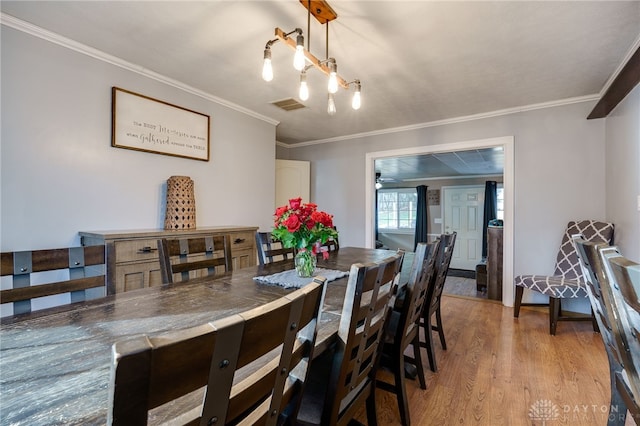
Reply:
x=617, y=406
x=518, y=301
x=554, y=314
x=440, y=329
x=372, y=419
x=417, y=359
x=401, y=392
x=428, y=345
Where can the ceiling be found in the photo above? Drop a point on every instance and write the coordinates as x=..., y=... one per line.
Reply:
x=475, y=162
x=418, y=61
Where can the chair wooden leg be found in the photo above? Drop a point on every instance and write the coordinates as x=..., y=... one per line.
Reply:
x=428, y=344
x=400, y=390
x=440, y=329
x=518, y=301
x=554, y=314
x=417, y=358
x=617, y=406
x=372, y=419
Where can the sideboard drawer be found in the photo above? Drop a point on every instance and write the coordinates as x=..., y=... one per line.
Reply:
x=242, y=240
x=136, y=250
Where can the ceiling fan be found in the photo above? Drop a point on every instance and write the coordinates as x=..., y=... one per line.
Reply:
x=380, y=180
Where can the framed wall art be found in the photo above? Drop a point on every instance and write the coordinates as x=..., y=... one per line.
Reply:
x=142, y=123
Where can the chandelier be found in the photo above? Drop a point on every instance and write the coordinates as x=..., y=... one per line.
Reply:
x=303, y=59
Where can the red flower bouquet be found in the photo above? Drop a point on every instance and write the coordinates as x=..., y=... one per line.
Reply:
x=303, y=227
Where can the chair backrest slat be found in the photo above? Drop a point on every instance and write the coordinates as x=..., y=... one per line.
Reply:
x=85, y=267
x=189, y=256
x=42, y=290
x=254, y=347
x=271, y=250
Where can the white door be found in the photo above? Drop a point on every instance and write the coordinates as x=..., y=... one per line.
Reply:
x=463, y=210
x=293, y=180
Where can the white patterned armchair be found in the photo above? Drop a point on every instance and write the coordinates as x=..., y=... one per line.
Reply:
x=567, y=280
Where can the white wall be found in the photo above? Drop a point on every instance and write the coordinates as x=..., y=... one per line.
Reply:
x=60, y=175
x=549, y=190
x=623, y=173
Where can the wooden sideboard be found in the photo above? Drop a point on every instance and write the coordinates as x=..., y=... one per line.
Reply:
x=132, y=256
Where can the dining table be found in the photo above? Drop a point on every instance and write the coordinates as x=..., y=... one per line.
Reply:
x=55, y=363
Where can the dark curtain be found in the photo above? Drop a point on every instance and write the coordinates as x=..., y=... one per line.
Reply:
x=490, y=210
x=422, y=217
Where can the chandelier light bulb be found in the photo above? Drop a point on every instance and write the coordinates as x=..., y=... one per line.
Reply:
x=333, y=76
x=331, y=105
x=267, y=69
x=333, y=83
x=304, y=88
x=298, y=58
x=378, y=185
x=355, y=101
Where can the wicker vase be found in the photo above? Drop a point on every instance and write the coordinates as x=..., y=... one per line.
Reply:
x=181, y=204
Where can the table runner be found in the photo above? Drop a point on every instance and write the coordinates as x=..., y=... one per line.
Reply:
x=290, y=278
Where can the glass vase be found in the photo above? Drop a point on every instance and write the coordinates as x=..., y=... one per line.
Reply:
x=305, y=262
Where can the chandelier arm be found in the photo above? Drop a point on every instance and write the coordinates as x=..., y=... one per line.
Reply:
x=317, y=63
x=296, y=30
x=270, y=43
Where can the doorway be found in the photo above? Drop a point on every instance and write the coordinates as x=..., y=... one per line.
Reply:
x=507, y=144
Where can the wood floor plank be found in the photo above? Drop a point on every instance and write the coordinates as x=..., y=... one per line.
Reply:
x=498, y=370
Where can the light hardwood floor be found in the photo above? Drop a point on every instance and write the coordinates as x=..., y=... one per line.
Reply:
x=498, y=370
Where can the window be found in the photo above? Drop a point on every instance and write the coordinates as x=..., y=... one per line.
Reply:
x=397, y=209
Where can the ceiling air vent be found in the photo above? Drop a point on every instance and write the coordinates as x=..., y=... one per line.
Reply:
x=288, y=104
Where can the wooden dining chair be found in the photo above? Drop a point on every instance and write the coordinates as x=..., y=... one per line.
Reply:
x=343, y=380
x=402, y=329
x=271, y=250
x=622, y=285
x=253, y=366
x=567, y=281
x=593, y=270
x=192, y=257
x=434, y=295
x=85, y=267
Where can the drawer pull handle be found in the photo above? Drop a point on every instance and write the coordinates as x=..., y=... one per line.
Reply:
x=147, y=249
x=238, y=240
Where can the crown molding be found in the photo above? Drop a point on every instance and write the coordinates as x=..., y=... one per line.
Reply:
x=462, y=119
x=52, y=37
